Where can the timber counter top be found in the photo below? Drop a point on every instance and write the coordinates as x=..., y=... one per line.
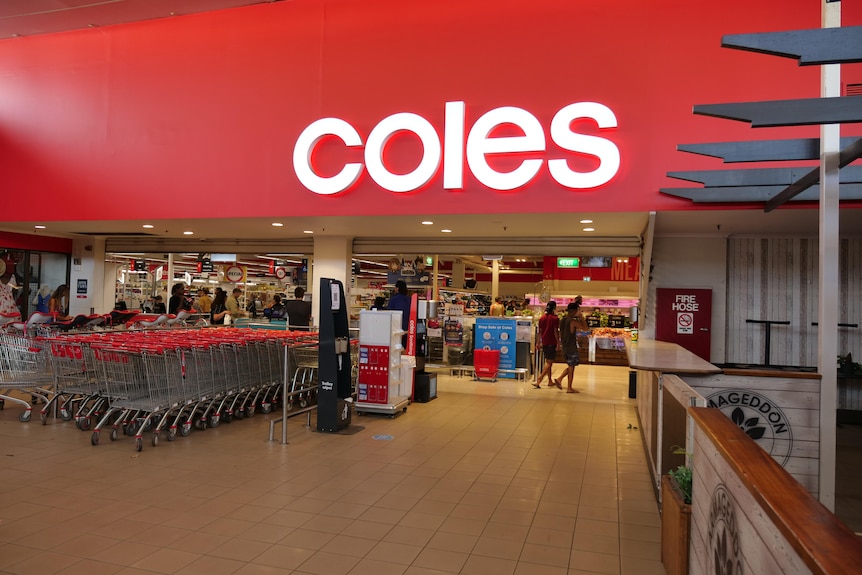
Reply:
x=651, y=355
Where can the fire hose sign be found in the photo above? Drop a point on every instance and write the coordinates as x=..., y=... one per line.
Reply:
x=684, y=322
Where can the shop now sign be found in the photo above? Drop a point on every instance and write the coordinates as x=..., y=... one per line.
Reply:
x=452, y=151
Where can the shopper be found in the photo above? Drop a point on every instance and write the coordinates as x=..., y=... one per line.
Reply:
x=497, y=308
x=569, y=326
x=298, y=310
x=276, y=309
x=42, y=297
x=401, y=301
x=218, y=310
x=159, y=305
x=549, y=329
x=178, y=299
x=204, y=302
x=59, y=303
x=232, y=303
x=379, y=303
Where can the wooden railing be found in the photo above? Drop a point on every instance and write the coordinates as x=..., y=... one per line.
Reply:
x=776, y=524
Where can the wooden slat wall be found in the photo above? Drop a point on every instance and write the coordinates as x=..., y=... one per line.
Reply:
x=777, y=279
x=799, y=401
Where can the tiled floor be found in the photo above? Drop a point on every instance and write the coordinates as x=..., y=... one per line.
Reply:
x=490, y=478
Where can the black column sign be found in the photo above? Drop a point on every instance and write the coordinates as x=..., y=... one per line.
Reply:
x=82, y=287
x=334, y=391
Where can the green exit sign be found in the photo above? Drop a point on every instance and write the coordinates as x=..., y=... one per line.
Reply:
x=568, y=262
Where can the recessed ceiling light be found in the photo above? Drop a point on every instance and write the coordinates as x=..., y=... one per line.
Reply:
x=307, y=232
x=148, y=226
x=589, y=229
x=39, y=227
x=586, y=221
x=446, y=231
x=427, y=223
x=277, y=224
x=188, y=233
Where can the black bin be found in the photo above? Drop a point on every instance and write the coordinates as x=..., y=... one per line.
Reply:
x=424, y=387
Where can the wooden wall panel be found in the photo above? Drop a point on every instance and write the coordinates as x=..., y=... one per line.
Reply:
x=777, y=279
x=797, y=406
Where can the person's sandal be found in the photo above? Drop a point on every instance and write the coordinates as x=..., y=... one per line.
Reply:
x=536, y=385
x=570, y=390
x=557, y=384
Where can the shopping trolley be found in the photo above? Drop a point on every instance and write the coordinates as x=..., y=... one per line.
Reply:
x=305, y=361
x=75, y=383
x=25, y=366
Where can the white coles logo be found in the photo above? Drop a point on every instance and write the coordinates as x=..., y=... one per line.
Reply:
x=479, y=145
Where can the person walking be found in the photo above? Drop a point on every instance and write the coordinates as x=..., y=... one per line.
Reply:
x=497, y=308
x=569, y=326
x=549, y=330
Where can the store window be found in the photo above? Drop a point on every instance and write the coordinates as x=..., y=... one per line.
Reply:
x=25, y=275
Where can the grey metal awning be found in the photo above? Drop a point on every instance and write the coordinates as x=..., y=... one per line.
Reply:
x=810, y=47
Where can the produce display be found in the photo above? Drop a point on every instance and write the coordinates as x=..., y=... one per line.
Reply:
x=610, y=332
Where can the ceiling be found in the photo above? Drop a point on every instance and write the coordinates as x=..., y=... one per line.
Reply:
x=31, y=17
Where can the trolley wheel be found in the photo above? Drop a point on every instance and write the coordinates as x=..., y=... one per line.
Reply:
x=24, y=416
x=139, y=443
x=114, y=434
x=265, y=408
x=147, y=425
x=303, y=403
x=290, y=406
x=391, y=416
x=172, y=434
x=155, y=440
x=84, y=423
x=94, y=439
x=43, y=415
x=2, y=404
x=185, y=429
x=214, y=420
x=226, y=417
x=65, y=414
x=201, y=424
x=249, y=412
x=238, y=414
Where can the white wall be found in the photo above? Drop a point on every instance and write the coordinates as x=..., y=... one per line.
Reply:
x=88, y=263
x=690, y=262
x=332, y=259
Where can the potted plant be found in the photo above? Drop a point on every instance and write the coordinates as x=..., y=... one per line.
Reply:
x=675, y=520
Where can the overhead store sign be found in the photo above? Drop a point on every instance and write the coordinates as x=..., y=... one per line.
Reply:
x=480, y=145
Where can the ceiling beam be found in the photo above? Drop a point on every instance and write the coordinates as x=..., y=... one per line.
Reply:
x=802, y=112
x=811, y=47
x=749, y=194
x=760, y=176
x=847, y=155
x=761, y=150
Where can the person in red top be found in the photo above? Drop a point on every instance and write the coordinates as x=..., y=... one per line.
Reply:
x=549, y=333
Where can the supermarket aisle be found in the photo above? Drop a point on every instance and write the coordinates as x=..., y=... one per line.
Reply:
x=491, y=478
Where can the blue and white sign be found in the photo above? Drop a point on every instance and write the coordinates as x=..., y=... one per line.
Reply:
x=498, y=333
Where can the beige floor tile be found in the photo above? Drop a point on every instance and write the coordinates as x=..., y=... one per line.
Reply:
x=257, y=569
x=43, y=563
x=125, y=553
x=327, y=523
x=166, y=560
x=595, y=562
x=85, y=545
x=586, y=541
x=283, y=556
x=367, y=529
x=394, y=552
x=89, y=567
x=242, y=550
x=211, y=566
x=500, y=548
x=524, y=568
x=512, y=516
x=381, y=515
x=640, y=549
x=448, y=561
x=636, y=566
x=416, y=570
x=545, y=555
x=348, y=545
x=550, y=536
x=422, y=520
x=640, y=532
x=480, y=565
x=266, y=532
x=452, y=542
x=507, y=531
x=409, y=535
x=325, y=563
x=375, y=567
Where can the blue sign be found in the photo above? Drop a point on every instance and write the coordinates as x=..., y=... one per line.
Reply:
x=500, y=334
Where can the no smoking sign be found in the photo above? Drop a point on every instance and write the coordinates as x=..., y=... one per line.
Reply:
x=684, y=322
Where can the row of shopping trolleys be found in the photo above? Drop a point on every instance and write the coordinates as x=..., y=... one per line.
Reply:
x=164, y=382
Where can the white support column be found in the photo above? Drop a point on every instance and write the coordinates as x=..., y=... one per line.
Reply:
x=88, y=264
x=333, y=257
x=435, y=292
x=830, y=78
x=458, y=274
